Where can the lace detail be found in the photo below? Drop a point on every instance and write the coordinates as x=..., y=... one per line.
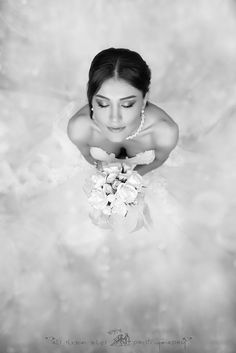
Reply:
x=145, y=157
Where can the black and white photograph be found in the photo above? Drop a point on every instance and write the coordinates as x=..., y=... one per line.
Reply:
x=117, y=176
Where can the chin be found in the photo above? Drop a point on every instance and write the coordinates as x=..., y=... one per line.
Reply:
x=115, y=139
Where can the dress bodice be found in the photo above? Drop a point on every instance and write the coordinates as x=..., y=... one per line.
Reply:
x=145, y=157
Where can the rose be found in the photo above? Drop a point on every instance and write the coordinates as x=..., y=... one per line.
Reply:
x=122, y=176
x=115, y=184
x=98, y=179
x=112, y=168
x=111, y=177
x=126, y=192
x=135, y=180
x=119, y=207
x=111, y=198
x=107, y=210
x=98, y=199
x=107, y=189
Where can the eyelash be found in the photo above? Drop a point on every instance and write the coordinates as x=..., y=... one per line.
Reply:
x=105, y=106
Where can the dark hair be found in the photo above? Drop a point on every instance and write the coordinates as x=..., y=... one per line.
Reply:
x=121, y=63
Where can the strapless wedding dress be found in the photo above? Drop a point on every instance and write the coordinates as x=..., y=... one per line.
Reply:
x=64, y=277
x=141, y=158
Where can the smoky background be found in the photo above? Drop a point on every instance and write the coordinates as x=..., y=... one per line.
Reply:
x=46, y=48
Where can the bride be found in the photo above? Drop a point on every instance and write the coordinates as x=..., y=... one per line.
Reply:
x=119, y=123
x=118, y=116
x=75, y=281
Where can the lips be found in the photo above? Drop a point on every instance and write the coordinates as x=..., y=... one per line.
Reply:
x=116, y=129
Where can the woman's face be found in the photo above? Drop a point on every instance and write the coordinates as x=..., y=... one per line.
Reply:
x=117, y=109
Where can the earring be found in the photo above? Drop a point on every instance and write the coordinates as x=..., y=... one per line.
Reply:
x=92, y=113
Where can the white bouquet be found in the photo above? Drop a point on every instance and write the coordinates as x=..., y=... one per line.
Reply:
x=116, y=194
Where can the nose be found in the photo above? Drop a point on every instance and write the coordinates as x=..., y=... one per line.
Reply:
x=115, y=116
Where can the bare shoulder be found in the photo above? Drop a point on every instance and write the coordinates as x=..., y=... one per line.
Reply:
x=165, y=129
x=79, y=126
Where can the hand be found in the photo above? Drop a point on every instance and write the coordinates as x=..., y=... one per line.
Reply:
x=98, y=165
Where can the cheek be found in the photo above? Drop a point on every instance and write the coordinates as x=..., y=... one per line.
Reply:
x=101, y=115
x=131, y=113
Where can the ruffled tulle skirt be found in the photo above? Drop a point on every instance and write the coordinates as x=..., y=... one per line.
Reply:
x=63, y=278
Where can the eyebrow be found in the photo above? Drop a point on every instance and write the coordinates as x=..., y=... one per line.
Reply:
x=122, y=99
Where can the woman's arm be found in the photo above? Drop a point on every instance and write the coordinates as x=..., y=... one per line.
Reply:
x=78, y=131
x=143, y=169
x=166, y=140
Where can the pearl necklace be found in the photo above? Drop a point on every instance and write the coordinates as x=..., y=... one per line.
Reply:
x=139, y=128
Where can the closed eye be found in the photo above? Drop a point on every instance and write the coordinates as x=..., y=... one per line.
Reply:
x=102, y=106
x=124, y=106
x=128, y=106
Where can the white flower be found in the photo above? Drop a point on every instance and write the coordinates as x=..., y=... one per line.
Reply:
x=127, y=193
x=115, y=184
x=107, y=210
x=98, y=199
x=113, y=168
x=119, y=207
x=135, y=179
x=98, y=179
x=107, y=189
x=122, y=176
x=111, y=198
x=111, y=177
